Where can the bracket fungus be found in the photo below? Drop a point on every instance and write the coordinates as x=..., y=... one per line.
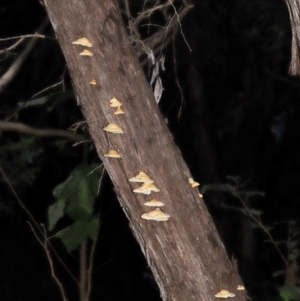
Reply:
x=83, y=42
x=112, y=154
x=146, y=188
x=193, y=183
x=119, y=111
x=114, y=103
x=224, y=294
x=113, y=128
x=85, y=52
x=156, y=215
x=154, y=203
x=93, y=82
x=240, y=288
x=141, y=178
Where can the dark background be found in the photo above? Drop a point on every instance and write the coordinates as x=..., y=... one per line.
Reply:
x=239, y=115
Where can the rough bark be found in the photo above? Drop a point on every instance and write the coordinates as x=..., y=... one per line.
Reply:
x=294, y=11
x=186, y=256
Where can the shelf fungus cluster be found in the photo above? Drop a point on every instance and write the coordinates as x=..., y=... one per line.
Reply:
x=86, y=43
x=194, y=184
x=147, y=187
x=113, y=128
x=115, y=103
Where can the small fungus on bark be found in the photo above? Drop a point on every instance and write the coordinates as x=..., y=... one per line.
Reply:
x=154, y=203
x=112, y=154
x=93, y=82
x=83, y=42
x=156, y=215
x=193, y=183
x=114, y=103
x=119, y=111
x=113, y=128
x=146, y=188
x=85, y=52
x=141, y=178
x=224, y=294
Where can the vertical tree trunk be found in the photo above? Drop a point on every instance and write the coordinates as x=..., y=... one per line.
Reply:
x=186, y=256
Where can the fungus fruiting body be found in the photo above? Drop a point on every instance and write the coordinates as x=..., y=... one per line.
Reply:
x=156, y=215
x=154, y=203
x=113, y=128
x=93, y=82
x=193, y=183
x=240, y=288
x=114, y=103
x=83, y=42
x=112, y=154
x=146, y=188
x=141, y=178
x=119, y=111
x=85, y=52
x=224, y=294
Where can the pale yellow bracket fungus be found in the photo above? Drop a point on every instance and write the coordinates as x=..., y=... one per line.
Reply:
x=113, y=128
x=93, y=82
x=201, y=195
x=141, y=178
x=83, y=42
x=114, y=103
x=156, y=215
x=85, y=52
x=240, y=288
x=146, y=188
x=193, y=183
x=224, y=294
x=119, y=111
x=112, y=154
x=154, y=203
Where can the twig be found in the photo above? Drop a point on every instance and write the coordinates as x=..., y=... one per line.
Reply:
x=41, y=133
x=90, y=270
x=15, y=66
x=82, y=270
x=54, y=85
x=35, y=223
x=262, y=226
x=45, y=246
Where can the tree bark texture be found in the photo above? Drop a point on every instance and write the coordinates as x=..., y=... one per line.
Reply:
x=294, y=11
x=185, y=253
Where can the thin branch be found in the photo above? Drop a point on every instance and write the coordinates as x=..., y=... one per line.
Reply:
x=35, y=223
x=90, y=270
x=45, y=246
x=8, y=76
x=41, y=133
x=21, y=39
x=61, y=82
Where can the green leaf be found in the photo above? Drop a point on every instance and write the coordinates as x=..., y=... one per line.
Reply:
x=289, y=293
x=77, y=193
x=78, y=232
x=55, y=212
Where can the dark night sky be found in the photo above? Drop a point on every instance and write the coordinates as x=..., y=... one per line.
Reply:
x=240, y=116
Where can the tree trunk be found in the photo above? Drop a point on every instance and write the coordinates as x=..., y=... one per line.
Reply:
x=185, y=253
